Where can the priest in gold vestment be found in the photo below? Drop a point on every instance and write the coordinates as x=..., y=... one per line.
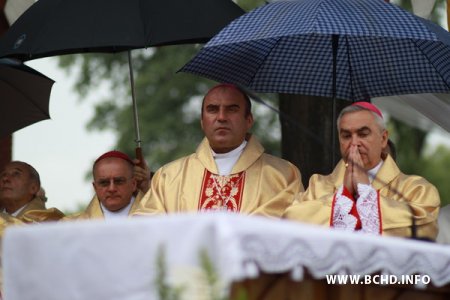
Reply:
x=229, y=171
x=19, y=187
x=366, y=192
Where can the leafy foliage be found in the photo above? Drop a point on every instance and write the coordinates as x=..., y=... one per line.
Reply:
x=437, y=13
x=435, y=169
x=211, y=277
x=409, y=143
x=413, y=157
x=165, y=291
x=168, y=102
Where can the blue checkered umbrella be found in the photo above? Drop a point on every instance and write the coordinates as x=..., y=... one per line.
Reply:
x=369, y=48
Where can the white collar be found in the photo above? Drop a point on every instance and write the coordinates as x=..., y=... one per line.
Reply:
x=17, y=212
x=226, y=161
x=373, y=172
x=121, y=213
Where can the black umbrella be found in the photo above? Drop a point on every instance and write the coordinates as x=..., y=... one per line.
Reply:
x=24, y=96
x=56, y=27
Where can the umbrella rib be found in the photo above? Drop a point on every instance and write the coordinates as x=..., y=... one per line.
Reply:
x=280, y=113
x=432, y=64
x=264, y=59
x=349, y=60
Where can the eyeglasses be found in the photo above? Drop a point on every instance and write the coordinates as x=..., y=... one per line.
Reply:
x=117, y=181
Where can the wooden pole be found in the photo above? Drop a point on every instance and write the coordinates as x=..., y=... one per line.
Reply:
x=5, y=142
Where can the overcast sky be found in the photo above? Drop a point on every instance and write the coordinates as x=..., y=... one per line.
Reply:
x=61, y=149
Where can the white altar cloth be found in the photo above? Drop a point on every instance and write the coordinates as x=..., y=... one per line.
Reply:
x=117, y=259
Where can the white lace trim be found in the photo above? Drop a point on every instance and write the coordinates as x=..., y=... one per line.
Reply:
x=367, y=207
x=342, y=219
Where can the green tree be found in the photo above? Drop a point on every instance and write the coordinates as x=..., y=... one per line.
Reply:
x=410, y=143
x=435, y=168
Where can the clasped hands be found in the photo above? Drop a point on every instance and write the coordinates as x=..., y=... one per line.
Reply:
x=354, y=171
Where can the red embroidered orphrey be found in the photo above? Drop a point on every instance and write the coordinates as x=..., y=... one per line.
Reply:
x=221, y=192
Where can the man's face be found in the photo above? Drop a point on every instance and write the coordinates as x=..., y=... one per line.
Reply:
x=360, y=129
x=114, y=183
x=16, y=184
x=223, y=119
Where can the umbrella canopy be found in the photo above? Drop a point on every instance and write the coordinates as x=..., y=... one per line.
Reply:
x=56, y=27
x=24, y=96
x=368, y=48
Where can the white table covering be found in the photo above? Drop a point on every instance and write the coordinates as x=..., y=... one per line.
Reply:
x=116, y=260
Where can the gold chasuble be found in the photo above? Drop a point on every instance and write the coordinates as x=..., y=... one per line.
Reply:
x=94, y=209
x=400, y=196
x=259, y=184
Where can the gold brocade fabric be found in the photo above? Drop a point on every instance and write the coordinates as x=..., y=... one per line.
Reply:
x=7, y=220
x=33, y=212
x=270, y=183
x=36, y=212
x=400, y=195
x=94, y=209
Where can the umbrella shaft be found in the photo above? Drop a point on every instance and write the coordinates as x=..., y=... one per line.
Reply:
x=133, y=96
x=335, y=44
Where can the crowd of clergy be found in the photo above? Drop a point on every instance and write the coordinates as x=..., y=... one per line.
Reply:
x=231, y=172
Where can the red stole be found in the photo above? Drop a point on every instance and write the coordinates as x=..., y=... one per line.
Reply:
x=221, y=192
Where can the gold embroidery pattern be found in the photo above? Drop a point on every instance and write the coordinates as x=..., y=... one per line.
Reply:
x=222, y=192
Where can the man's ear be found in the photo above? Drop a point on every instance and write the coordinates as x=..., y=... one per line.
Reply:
x=34, y=188
x=134, y=182
x=250, y=121
x=385, y=138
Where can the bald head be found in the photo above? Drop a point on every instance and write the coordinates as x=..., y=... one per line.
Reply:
x=19, y=183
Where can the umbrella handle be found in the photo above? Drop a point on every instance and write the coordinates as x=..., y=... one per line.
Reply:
x=140, y=157
x=143, y=185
